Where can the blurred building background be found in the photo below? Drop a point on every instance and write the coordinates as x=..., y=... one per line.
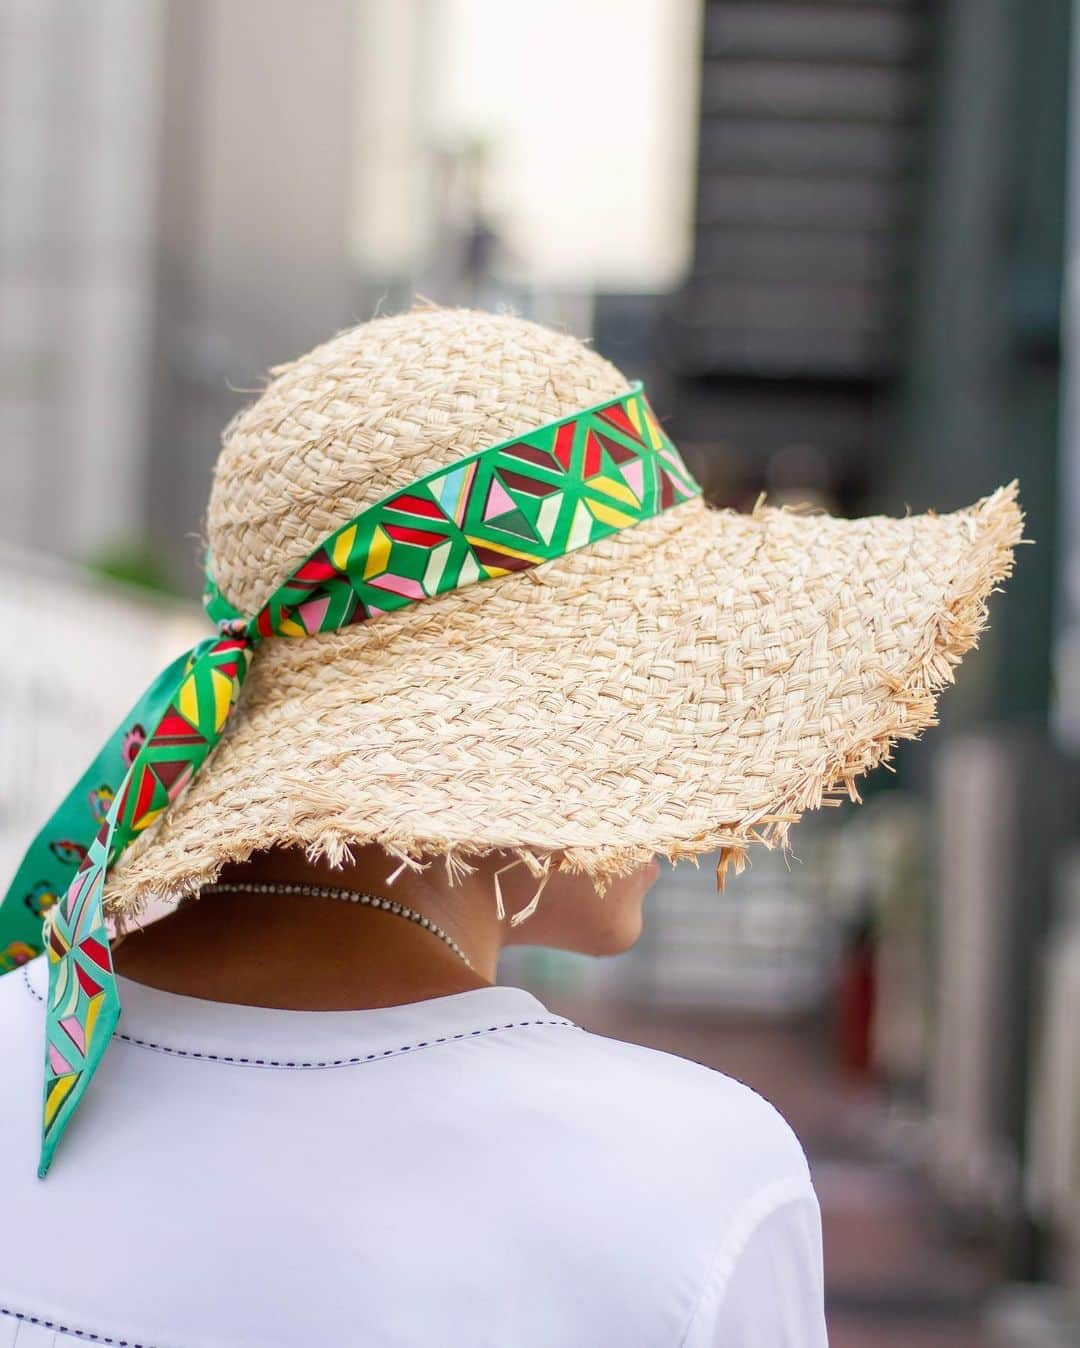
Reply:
x=836, y=239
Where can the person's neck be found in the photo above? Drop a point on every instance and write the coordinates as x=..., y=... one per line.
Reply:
x=317, y=954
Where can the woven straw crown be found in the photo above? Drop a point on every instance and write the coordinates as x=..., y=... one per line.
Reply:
x=373, y=411
x=692, y=683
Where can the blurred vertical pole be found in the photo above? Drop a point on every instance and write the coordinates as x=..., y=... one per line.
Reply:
x=981, y=405
x=1054, y=1109
x=1066, y=706
x=980, y=398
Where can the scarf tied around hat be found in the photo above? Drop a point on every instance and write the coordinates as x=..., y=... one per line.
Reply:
x=507, y=508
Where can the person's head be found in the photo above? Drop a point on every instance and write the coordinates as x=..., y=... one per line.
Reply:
x=451, y=725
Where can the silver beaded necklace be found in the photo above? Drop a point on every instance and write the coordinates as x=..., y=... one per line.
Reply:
x=345, y=896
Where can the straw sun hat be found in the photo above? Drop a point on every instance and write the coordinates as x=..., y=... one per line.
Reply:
x=692, y=683
x=637, y=674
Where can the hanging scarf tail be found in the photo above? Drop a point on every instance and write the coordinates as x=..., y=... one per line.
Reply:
x=83, y=1005
x=152, y=756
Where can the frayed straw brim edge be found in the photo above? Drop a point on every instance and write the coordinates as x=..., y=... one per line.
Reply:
x=996, y=522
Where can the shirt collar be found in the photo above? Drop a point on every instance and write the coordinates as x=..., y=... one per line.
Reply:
x=263, y=1036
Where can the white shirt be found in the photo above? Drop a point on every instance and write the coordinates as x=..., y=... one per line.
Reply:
x=462, y=1172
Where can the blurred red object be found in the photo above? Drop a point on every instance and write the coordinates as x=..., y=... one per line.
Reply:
x=855, y=995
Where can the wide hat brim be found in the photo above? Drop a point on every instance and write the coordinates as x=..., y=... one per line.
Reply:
x=692, y=684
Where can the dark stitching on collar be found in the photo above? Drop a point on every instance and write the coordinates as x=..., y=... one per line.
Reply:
x=330, y=1062
x=86, y=1334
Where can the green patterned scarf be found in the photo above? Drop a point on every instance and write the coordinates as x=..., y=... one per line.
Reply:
x=507, y=508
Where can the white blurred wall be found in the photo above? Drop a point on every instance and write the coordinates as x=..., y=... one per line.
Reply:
x=586, y=114
x=78, y=182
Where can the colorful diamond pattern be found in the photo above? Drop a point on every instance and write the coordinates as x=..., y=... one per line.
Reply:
x=506, y=509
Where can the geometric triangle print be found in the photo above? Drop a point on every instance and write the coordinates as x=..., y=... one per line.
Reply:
x=633, y=474
x=312, y=612
x=593, y=456
x=167, y=773
x=144, y=793
x=530, y=486
x=498, y=501
x=513, y=522
x=619, y=453
x=88, y=984
x=76, y=1032
x=58, y=1063
x=175, y=728
x=314, y=572
x=618, y=418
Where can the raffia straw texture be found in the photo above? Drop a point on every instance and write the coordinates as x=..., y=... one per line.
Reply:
x=694, y=683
